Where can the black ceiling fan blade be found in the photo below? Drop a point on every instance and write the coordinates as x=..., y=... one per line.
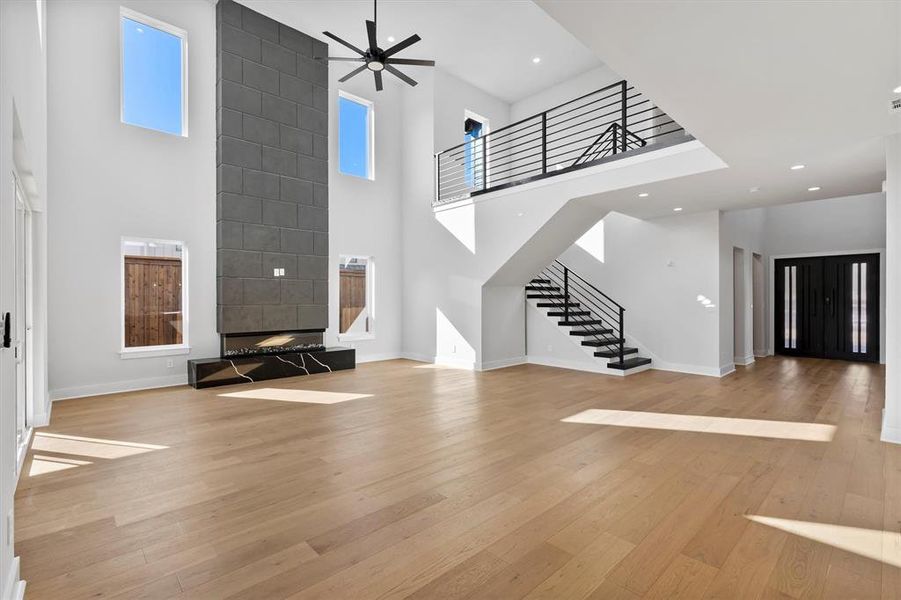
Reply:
x=340, y=41
x=370, y=31
x=400, y=75
x=401, y=45
x=352, y=73
x=411, y=61
x=345, y=59
x=378, y=80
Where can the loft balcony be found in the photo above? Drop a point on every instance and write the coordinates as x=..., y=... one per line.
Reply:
x=608, y=124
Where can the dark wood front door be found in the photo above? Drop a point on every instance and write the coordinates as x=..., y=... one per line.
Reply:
x=828, y=307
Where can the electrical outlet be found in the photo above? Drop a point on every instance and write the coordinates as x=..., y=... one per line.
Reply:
x=454, y=351
x=550, y=348
x=170, y=363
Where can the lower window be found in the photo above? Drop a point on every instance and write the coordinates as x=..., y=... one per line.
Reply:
x=356, y=318
x=153, y=294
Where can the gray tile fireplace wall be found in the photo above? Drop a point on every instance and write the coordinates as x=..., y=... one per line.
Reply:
x=272, y=175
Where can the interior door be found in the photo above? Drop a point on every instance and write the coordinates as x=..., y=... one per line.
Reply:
x=828, y=307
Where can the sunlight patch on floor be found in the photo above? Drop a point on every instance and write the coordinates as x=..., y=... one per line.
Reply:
x=301, y=396
x=94, y=447
x=41, y=465
x=786, y=430
x=884, y=546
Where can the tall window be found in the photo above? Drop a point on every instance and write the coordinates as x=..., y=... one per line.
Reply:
x=357, y=314
x=355, y=136
x=153, y=295
x=154, y=74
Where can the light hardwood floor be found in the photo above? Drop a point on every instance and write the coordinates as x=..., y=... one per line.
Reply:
x=449, y=484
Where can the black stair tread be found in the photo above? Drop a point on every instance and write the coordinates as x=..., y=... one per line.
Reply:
x=614, y=353
x=578, y=323
x=560, y=296
x=556, y=304
x=583, y=332
x=572, y=313
x=604, y=342
x=630, y=363
x=542, y=288
x=540, y=281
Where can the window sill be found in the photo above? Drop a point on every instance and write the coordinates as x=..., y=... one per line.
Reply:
x=153, y=351
x=355, y=337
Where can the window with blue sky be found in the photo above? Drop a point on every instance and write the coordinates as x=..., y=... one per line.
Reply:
x=354, y=137
x=153, y=74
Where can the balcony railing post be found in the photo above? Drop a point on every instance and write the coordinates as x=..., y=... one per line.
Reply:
x=622, y=333
x=625, y=110
x=544, y=142
x=566, y=295
x=484, y=162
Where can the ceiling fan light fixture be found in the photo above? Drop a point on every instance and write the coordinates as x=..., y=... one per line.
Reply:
x=375, y=65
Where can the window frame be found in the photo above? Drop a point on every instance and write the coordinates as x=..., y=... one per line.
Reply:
x=127, y=13
x=370, y=297
x=126, y=352
x=370, y=142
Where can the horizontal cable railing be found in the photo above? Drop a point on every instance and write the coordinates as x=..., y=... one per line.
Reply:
x=591, y=129
x=594, y=306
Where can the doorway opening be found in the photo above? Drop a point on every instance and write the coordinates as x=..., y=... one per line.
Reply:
x=828, y=307
x=758, y=305
x=739, y=311
x=475, y=128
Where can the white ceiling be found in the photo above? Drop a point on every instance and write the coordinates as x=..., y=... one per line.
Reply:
x=488, y=43
x=763, y=85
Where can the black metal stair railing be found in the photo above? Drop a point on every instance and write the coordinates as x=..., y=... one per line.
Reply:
x=597, y=127
x=600, y=311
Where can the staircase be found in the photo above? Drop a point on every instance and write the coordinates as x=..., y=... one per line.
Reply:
x=592, y=319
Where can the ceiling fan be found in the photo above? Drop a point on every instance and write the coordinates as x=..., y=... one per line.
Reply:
x=375, y=59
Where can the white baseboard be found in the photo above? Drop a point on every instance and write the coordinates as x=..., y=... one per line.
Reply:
x=744, y=360
x=891, y=435
x=551, y=361
x=453, y=361
x=368, y=358
x=417, y=357
x=503, y=363
x=13, y=587
x=42, y=419
x=115, y=387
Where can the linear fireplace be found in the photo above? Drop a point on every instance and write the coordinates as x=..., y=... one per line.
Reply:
x=238, y=345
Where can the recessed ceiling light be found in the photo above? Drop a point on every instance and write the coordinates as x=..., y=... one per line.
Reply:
x=391, y=39
x=677, y=209
x=536, y=60
x=897, y=90
x=754, y=190
x=813, y=189
x=643, y=195
x=797, y=167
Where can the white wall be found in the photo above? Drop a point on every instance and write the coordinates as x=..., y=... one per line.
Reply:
x=23, y=104
x=453, y=97
x=891, y=424
x=365, y=217
x=570, y=89
x=744, y=230
x=657, y=269
x=835, y=224
x=110, y=180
